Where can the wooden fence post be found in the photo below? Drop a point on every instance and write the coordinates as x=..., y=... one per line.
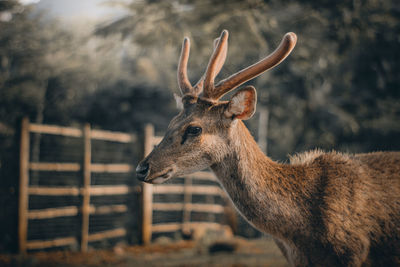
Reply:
x=147, y=192
x=23, y=185
x=87, y=155
x=187, y=200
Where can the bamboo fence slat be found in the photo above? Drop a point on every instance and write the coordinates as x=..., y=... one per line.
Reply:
x=23, y=186
x=179, y=189
x=87, y=158
x=112, y=136
x=38, y=244
x=55, y=130
x=171, y=227
x=197, y=207
x=147, y=190
x=76, y=132
x=53, y=213
x=54, y=191
x=166, y=227
x=60, y=167
x=187, y=200
x=73, y=211
x=95, y=190
x=108, y=209
x=107, y=234
x=168, y=206
x=111, y=168
x=100, y=190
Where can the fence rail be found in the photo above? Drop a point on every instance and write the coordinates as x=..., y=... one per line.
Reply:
x=178, y=189
x=74, y=211
x=65, y=241
x=75, y=132
x=52, y=129
x=58, y=242
x=86, y=168
x=59, y=167
x=94, y=190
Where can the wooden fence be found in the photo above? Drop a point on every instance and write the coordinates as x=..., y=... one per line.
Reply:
x=83, y=169
x=187, y=189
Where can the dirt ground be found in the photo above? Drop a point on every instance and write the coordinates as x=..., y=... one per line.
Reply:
x=233, y=252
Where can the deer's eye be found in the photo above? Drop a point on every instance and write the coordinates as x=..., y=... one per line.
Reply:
x=193, y=130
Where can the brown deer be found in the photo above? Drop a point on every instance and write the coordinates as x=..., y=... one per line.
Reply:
x=323, y=209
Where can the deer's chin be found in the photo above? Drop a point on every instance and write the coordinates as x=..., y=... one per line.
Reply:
x=161, y=178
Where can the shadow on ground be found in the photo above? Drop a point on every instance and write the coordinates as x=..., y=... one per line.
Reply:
x=234, y=252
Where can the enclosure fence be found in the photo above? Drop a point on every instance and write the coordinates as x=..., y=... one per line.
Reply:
x=82, y=169
x=184, y=204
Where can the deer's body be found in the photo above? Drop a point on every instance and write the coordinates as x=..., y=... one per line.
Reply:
x=323, y=209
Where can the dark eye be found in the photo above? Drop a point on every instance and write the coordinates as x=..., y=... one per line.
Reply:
x=193, y=130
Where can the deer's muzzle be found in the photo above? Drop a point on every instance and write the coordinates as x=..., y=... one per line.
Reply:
x=142, y=170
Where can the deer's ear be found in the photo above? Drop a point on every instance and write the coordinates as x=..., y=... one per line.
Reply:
x=179, y=102
x=242, y=104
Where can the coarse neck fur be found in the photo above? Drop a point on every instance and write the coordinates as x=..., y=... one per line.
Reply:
x=267, y=193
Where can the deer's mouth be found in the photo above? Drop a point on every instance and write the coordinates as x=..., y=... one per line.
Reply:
x=160, y=178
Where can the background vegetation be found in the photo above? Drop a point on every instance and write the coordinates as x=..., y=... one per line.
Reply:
x=338, y=90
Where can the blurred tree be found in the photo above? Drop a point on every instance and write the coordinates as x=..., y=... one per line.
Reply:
x=353, y=102
x=321, y=96
x=45, y=69
x=45, y=72
x=133, y=107
x=156, y=29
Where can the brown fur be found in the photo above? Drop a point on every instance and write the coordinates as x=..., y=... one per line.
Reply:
x=323, y=209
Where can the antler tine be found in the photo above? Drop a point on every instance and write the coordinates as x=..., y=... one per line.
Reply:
x=183, y=80
x=285, y=47
x=198, y=88
x=221, y=60
x=215, y=64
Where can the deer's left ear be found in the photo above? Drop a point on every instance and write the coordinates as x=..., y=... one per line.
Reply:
x=242, y=104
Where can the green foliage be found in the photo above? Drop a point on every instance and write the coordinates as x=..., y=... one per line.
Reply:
x=338, y=89
x=46, y=70
x=132, y=107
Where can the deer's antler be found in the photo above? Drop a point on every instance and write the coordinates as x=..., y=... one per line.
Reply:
x=218, y=65
x=214, y=67
x=206, y=83
x=215, y=64
x=215, y=92
x=183, y=80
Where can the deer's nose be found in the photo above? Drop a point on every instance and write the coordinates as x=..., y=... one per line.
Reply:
x=142, y=170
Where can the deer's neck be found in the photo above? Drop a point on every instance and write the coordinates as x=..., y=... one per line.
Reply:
x=265, y=192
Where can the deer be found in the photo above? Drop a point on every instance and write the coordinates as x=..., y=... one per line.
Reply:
x=321, y=208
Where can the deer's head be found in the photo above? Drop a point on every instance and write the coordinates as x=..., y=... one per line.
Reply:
x=197, y=137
